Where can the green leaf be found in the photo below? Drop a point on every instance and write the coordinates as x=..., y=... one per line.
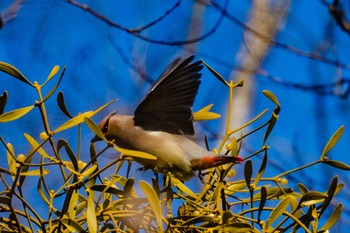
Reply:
x=91, y=213
x=248, y=171
x=36, y=172
x=136, y=154
x=36, y=146
x=181, y=186
x=262, y=201
x=216, y=74
x=332, y=141
x=274, y=99
x=72, y=225
x=63, y=143
x=95, y=129
x=333, y=219
x=80, y=118
x=53, y=72
x=15, y=114
x=11, y=70
x=303, y=189
x=61, y=104
x=337, y=164
x=261, y=170
x=204, y=114
x=312, y=198
x=277, y=211
x=330, y=194
x=3, y=101
x=11, y=160
x=55, y=87
x=107, y=189
x=153, y=200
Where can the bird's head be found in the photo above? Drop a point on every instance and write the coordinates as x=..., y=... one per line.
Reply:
x=107, y=127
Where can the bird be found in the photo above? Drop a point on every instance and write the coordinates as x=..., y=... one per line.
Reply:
x=162, y=123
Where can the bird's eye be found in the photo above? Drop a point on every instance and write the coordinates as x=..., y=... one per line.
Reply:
x=105, y=127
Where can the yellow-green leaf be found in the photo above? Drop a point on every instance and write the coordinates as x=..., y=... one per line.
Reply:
x=10, y=159
x=136, y=154
x=74, y=121
x=277, y=211
x=53, y=72
x=181, y=186
x=95, y=129
x=333, y=219
x=153, y=200
x=204, y=114
x=72, y=225
x=337, y=164
x=332, y=141
x=36, y=172
x=216, y=74
x=91, y=214
x=15, y=114
x=11, y=70
x=36, y=145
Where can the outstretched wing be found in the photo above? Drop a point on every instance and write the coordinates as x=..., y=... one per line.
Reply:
x=167, y=107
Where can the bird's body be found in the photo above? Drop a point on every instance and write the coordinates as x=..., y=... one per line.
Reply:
x=161, y=122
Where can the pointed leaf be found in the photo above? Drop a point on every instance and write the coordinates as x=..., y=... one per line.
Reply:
x=55, y=87
x=333, y=219
x=63, y=143
x=136, y=154
x=330, y=193
x=153, y=200
x=53, y=72
x=248, y=171
x=204, y=114
x=62, y=105
x=311, y=198
x=261, y=170
x=72, y=225
x=15, y=114
x=277, y=211
x=36, y=146
x=74, y=121
x=36, y=172
x=91, y=217
x=274, y=99
x=95, y=129
x=262, y=201
x=337, y=164
x=332, y=141
x=11, y=70
x=181, y=186
x=11, y=160
x=303, y=189
x=107, y=189
x=216, y=74
x=3, y=101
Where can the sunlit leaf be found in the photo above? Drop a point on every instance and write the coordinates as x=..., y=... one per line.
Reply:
x=89, y=171
x=3, y=101
x=153, y=200
x=53, y=72
x=72, y=225
x=55, y=87
x=277, y=211
x=216, y=74
x=74, y=121
x=36, y=172
x=15, y=114
x=136, y=154
x=274, y=99
x=303, y=189
x=80, y=118
x=91, y=217
x=204, y=114
x=332, y=141
x=95, y=129
x=333, y=219
x=36, y=145
x=312, y=197
x=181, y=186
x=11, y=70
x=11, y=160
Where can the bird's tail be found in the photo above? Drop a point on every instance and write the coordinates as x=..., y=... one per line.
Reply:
x=214, y=161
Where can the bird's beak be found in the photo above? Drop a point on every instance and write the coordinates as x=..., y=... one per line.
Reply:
x=95, y=139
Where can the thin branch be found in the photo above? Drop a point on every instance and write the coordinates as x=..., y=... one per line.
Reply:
x=136, y=32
